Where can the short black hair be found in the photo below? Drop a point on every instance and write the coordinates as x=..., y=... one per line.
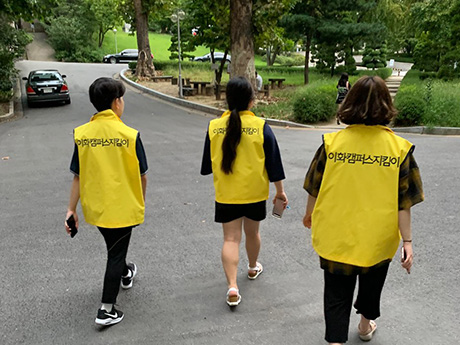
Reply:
x=103, y=91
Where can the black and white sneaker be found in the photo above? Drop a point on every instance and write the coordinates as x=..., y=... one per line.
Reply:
x=106, y=318
x=127, y=282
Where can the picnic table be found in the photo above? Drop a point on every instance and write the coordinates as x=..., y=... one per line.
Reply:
x=200, y=86
x=278, y=81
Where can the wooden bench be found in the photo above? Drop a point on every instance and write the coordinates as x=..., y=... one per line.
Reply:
x=189, y=91
x=175, y=81
x=265, y=90
x=200, y=86
x=278, y=81
x=162, y=78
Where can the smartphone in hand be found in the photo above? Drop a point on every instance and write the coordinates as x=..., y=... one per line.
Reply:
x=278, y=208
x=73, y=228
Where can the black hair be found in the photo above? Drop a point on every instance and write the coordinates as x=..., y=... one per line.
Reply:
x=343, y=80
x=239, y=94
x=103, y=91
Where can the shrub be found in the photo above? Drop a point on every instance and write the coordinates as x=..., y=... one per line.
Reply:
x=293, y=60
x=132, y=65
x=316, y=103
x=444, y=106
x=5, y=96
x=411, y=104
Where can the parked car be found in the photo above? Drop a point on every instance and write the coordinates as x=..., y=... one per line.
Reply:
x=46, y=85
x=217, y=57
x=124, y=56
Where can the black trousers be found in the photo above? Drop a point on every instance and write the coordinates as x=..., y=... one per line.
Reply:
x=117, y=241
x=338, y=299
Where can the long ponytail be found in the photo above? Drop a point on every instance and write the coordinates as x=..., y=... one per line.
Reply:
x=231, y=141
x=239, y=94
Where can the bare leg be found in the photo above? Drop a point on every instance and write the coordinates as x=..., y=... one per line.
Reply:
x=251, y=229
x=230, y=250
x=364, y=325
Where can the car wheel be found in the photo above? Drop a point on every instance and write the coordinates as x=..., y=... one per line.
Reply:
x=67, y=101
x=113, y=60
x=30, y=104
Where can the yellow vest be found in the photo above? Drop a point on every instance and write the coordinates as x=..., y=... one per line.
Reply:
x=110, y=183
x=355, y=220
x=249, y=181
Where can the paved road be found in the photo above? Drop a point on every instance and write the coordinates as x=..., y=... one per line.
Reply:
x=51, y=284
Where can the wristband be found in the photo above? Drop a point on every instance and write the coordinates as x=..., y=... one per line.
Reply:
x=407, y=241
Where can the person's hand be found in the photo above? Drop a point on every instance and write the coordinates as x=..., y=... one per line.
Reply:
x=407, y=263
x=307, y=221
x=75, y=216
x=282, y=196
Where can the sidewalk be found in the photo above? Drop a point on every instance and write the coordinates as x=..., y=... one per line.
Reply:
x=39, y=49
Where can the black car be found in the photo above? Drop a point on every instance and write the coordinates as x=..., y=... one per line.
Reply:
x=123, y=56
x=46, y=85
x=217, y=57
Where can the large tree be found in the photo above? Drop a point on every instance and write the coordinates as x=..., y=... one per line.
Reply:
x=301, y=24
x=242, y=40
x=145, y=67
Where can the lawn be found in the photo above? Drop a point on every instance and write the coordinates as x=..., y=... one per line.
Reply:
x=159, y=44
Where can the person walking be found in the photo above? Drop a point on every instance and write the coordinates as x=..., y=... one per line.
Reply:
x=242, y=153
x=343, y=86
x=109, y=167
x=361, y=183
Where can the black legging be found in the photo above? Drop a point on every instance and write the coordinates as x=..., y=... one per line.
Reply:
x=117, y=241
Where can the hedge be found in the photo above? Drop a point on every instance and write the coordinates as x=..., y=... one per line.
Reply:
x=411, y=105
x=316, y=103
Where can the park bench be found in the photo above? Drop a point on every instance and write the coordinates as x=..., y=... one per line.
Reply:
x=265, y=90
x=162, y=78
x=189, y=91
x=175, y=81
x=200, y=86
x=275, y=81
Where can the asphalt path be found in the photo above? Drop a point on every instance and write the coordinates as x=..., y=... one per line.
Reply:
x=51, y=285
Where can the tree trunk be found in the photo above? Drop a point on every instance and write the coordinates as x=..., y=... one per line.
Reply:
x=144, y=68
x=242, y=40
x=307, y=60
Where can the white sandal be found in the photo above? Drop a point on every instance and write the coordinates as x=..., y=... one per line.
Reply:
x=258, y=269
x=233, y=301
x=368, y=336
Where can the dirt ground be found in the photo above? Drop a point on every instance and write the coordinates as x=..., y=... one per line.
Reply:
x=172, y=90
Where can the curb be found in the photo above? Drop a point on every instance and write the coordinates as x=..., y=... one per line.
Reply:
x=200, y=107
x=218, y=112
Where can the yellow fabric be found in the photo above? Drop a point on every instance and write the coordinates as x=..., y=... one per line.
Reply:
x=249, y=181
x=110, y=183
x=355, y=220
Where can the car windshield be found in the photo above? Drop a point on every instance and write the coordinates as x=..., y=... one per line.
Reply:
x=45, y=76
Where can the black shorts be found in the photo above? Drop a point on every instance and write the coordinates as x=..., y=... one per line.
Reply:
x=227, y=212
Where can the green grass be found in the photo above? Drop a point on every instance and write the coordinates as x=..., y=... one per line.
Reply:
x=442, y=99
x=159, y=44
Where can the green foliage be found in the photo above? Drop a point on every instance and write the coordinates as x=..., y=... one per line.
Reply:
x=12, y=46
x=293, y=60
x=411, y=105
x=316, y=103
x=133, y=64
x=374, y=56
x=77, y=18
x=5, y=96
